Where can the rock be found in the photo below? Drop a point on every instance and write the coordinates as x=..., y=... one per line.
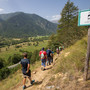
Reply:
x=64, y=78
x=57, y=87
x=49, y=87
x=34, y=72
x=66, y=54
x=80, y=79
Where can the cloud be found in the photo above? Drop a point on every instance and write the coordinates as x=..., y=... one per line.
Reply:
x=1, y=9
x=55, y=17
x=47, y=16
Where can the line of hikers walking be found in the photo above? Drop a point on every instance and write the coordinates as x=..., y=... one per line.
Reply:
x=46, y=59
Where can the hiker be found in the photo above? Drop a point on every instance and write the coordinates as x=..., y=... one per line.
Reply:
x=60, y=48
x=52, y=54
x=25, y=64
x=43, y=56
x=57, y=51
x=48, y=56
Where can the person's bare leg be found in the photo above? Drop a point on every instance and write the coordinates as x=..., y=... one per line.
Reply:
x=30, y=79
x=24, y=81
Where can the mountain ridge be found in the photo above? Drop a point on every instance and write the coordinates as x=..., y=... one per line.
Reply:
x=21, y=24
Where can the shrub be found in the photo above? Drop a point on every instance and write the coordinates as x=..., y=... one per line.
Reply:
x=35, y=56
x=4, y=72
x=14, y=59
x=18, y=46
x=1, y=63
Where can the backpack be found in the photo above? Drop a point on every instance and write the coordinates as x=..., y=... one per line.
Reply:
x=42, y=55
x=48, y=53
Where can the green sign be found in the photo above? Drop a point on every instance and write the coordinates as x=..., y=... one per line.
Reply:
x=84, y=18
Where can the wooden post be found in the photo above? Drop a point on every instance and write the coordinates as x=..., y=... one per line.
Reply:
x=87, y=56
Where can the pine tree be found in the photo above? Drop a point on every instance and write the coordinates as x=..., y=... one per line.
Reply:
x=68, y=13
x=68, y=31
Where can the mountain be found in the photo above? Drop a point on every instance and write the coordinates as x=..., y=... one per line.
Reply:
x=7, y=16
x=21, y=24
x=1, y=20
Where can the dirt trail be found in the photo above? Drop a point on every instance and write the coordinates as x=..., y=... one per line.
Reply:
x=41, y=78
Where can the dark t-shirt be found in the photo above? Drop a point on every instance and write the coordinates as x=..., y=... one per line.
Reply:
x=48, y=53
x=24, y=63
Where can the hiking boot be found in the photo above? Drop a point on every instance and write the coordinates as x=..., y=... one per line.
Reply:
x=32, y=82
x=44, y=69
x=24, y=87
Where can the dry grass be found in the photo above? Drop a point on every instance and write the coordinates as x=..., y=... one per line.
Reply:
x=67, y=73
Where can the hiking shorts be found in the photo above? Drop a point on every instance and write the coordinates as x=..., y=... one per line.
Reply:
x=27, y=74
x=43, y=62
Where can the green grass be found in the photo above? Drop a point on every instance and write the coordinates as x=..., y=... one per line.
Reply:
x=5, y=54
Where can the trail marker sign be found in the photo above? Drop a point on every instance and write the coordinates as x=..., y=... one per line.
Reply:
x=84, y=18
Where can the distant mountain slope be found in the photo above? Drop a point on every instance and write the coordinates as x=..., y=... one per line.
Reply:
x=22, y=25
x=1, y=20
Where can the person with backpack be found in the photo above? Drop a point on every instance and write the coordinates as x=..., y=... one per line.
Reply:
x=60, y=48
x=57, y=51
x=43, y=56
x=25, y=65
x=52, y=54
x=49, y=52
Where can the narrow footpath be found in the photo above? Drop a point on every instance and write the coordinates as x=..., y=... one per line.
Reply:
x=41, y=78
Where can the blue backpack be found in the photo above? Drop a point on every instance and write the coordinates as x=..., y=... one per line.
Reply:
x=48, y=53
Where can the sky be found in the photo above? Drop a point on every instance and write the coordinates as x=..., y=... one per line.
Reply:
x=48, y=9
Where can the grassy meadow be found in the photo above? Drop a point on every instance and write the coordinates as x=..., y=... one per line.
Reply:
x=12, y=50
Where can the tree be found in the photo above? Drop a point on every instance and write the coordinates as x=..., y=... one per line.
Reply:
x=68, y=32
x=68, y=13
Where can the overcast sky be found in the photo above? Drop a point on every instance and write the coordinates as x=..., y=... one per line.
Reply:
x=49, y=9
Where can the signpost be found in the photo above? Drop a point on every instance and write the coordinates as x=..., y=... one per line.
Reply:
x=84, y=20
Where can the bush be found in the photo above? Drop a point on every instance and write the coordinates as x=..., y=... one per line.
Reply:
x=35, y=56
x=18, y=46
x=4, y=72
x=1, y=63
x=14, y=59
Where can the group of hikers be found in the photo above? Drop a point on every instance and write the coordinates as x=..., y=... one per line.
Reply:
x=46, y=59
x=59, y=49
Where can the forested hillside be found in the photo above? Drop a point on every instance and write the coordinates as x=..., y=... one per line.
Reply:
x=23, y=25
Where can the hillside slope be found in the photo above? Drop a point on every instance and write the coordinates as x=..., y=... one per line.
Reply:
x=65, y=74
x=21, y=24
